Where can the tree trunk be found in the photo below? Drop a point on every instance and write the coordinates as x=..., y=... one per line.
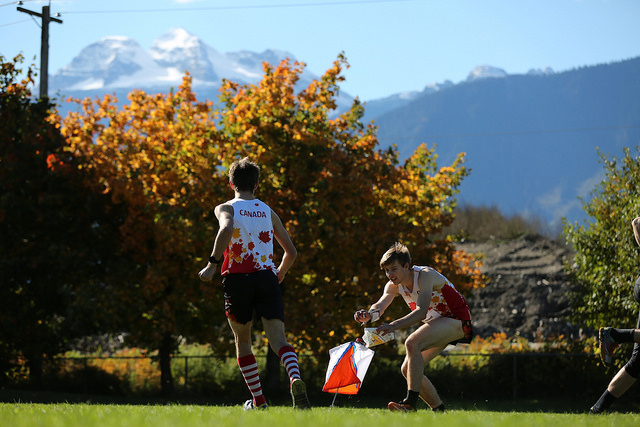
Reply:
x=166, y=378
x=35, y=370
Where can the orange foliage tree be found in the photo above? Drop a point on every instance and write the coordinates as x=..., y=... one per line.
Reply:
x=157, y=156
x=343, y=200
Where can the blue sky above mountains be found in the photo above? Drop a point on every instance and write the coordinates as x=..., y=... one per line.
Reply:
x=392, y=45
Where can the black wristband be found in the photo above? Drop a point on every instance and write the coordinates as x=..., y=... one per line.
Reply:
x=212, y=260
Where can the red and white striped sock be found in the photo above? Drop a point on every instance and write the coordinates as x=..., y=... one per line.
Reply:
x=289, y=359
x=249, y=368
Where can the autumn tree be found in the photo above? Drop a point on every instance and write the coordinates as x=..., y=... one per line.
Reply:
x=606, y=254
x=49, y=226
x=343, y=200
x=158, y=156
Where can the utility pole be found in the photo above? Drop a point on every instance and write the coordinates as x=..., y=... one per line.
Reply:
x=44, y=46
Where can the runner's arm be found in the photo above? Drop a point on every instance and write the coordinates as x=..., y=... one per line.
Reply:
x=224, y=213
x=379, y=307
x=283, y=238
x=426, y=281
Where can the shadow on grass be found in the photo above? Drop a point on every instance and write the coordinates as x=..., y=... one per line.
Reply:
x=625, y=404
x=547, y=405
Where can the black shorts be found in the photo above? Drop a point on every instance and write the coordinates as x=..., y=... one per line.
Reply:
x=259, y=291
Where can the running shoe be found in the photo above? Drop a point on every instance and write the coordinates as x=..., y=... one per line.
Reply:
x=299, y=394
x=250, y=406
x=607, y=346
x=402, y=407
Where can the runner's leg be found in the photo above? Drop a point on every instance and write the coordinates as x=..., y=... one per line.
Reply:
x=421, y=347
x=242, y=336
x=247, y=361
x=274, y=328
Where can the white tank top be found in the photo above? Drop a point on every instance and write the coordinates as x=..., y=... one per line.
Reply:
x=447, y=301
x=251, y=245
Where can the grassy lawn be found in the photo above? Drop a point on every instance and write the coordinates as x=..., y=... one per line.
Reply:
x=115, y=415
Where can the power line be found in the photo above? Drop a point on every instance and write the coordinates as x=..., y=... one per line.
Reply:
x=255, y=6
x=19, y=3
x=14, y=23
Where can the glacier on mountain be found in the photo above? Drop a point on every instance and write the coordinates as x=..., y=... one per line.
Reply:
x=485, y=72
x=118, y=62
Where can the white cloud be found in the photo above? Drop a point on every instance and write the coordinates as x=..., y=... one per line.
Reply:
x=555, y=206
x=551, y=198
x=585, y=188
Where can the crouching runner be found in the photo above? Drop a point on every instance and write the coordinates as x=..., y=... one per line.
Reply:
x=436, y=303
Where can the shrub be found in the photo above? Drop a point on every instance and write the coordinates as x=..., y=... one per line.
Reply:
x=480, y=223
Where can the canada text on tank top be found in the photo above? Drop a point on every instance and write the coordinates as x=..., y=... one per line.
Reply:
x=446, y=302
x=251, y=245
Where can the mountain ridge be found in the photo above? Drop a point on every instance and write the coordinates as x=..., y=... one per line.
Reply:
x=163, y=65
x=530, y=139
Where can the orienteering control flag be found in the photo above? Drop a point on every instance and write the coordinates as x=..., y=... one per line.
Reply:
x=348, y=364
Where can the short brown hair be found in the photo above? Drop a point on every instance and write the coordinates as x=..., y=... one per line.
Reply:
x=397, y=252
x=244, y=174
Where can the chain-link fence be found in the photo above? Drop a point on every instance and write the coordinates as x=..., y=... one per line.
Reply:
x=458, y=375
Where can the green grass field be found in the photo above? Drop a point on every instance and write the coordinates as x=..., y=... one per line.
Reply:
x=81, y=415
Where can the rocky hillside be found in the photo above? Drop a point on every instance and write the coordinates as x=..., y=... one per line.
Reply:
x=526, y=293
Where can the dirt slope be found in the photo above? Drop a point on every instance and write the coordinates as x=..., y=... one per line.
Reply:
x=527, y=291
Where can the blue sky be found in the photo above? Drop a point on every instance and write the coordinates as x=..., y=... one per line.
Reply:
x=393, y=46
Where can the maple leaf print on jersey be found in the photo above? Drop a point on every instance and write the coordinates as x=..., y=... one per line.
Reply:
x=236, y=233
x=248, y=264
x=443, y=309
x=265, y=236
x=251, y=245
x=236, y=251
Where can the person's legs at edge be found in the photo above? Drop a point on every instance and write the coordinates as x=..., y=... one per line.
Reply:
x=623, y=380
x=611, y=338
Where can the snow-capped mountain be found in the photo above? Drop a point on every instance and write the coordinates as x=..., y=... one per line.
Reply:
x=540, y=71
x=118, y=62
x=511, y=126
x=112, y=62
x=183, y=51
x=485, y=72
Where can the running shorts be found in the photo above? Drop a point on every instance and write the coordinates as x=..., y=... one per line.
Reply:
x=246, y=292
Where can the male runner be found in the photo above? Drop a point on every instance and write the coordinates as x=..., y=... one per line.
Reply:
x=436, y=303
x=244, y=247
